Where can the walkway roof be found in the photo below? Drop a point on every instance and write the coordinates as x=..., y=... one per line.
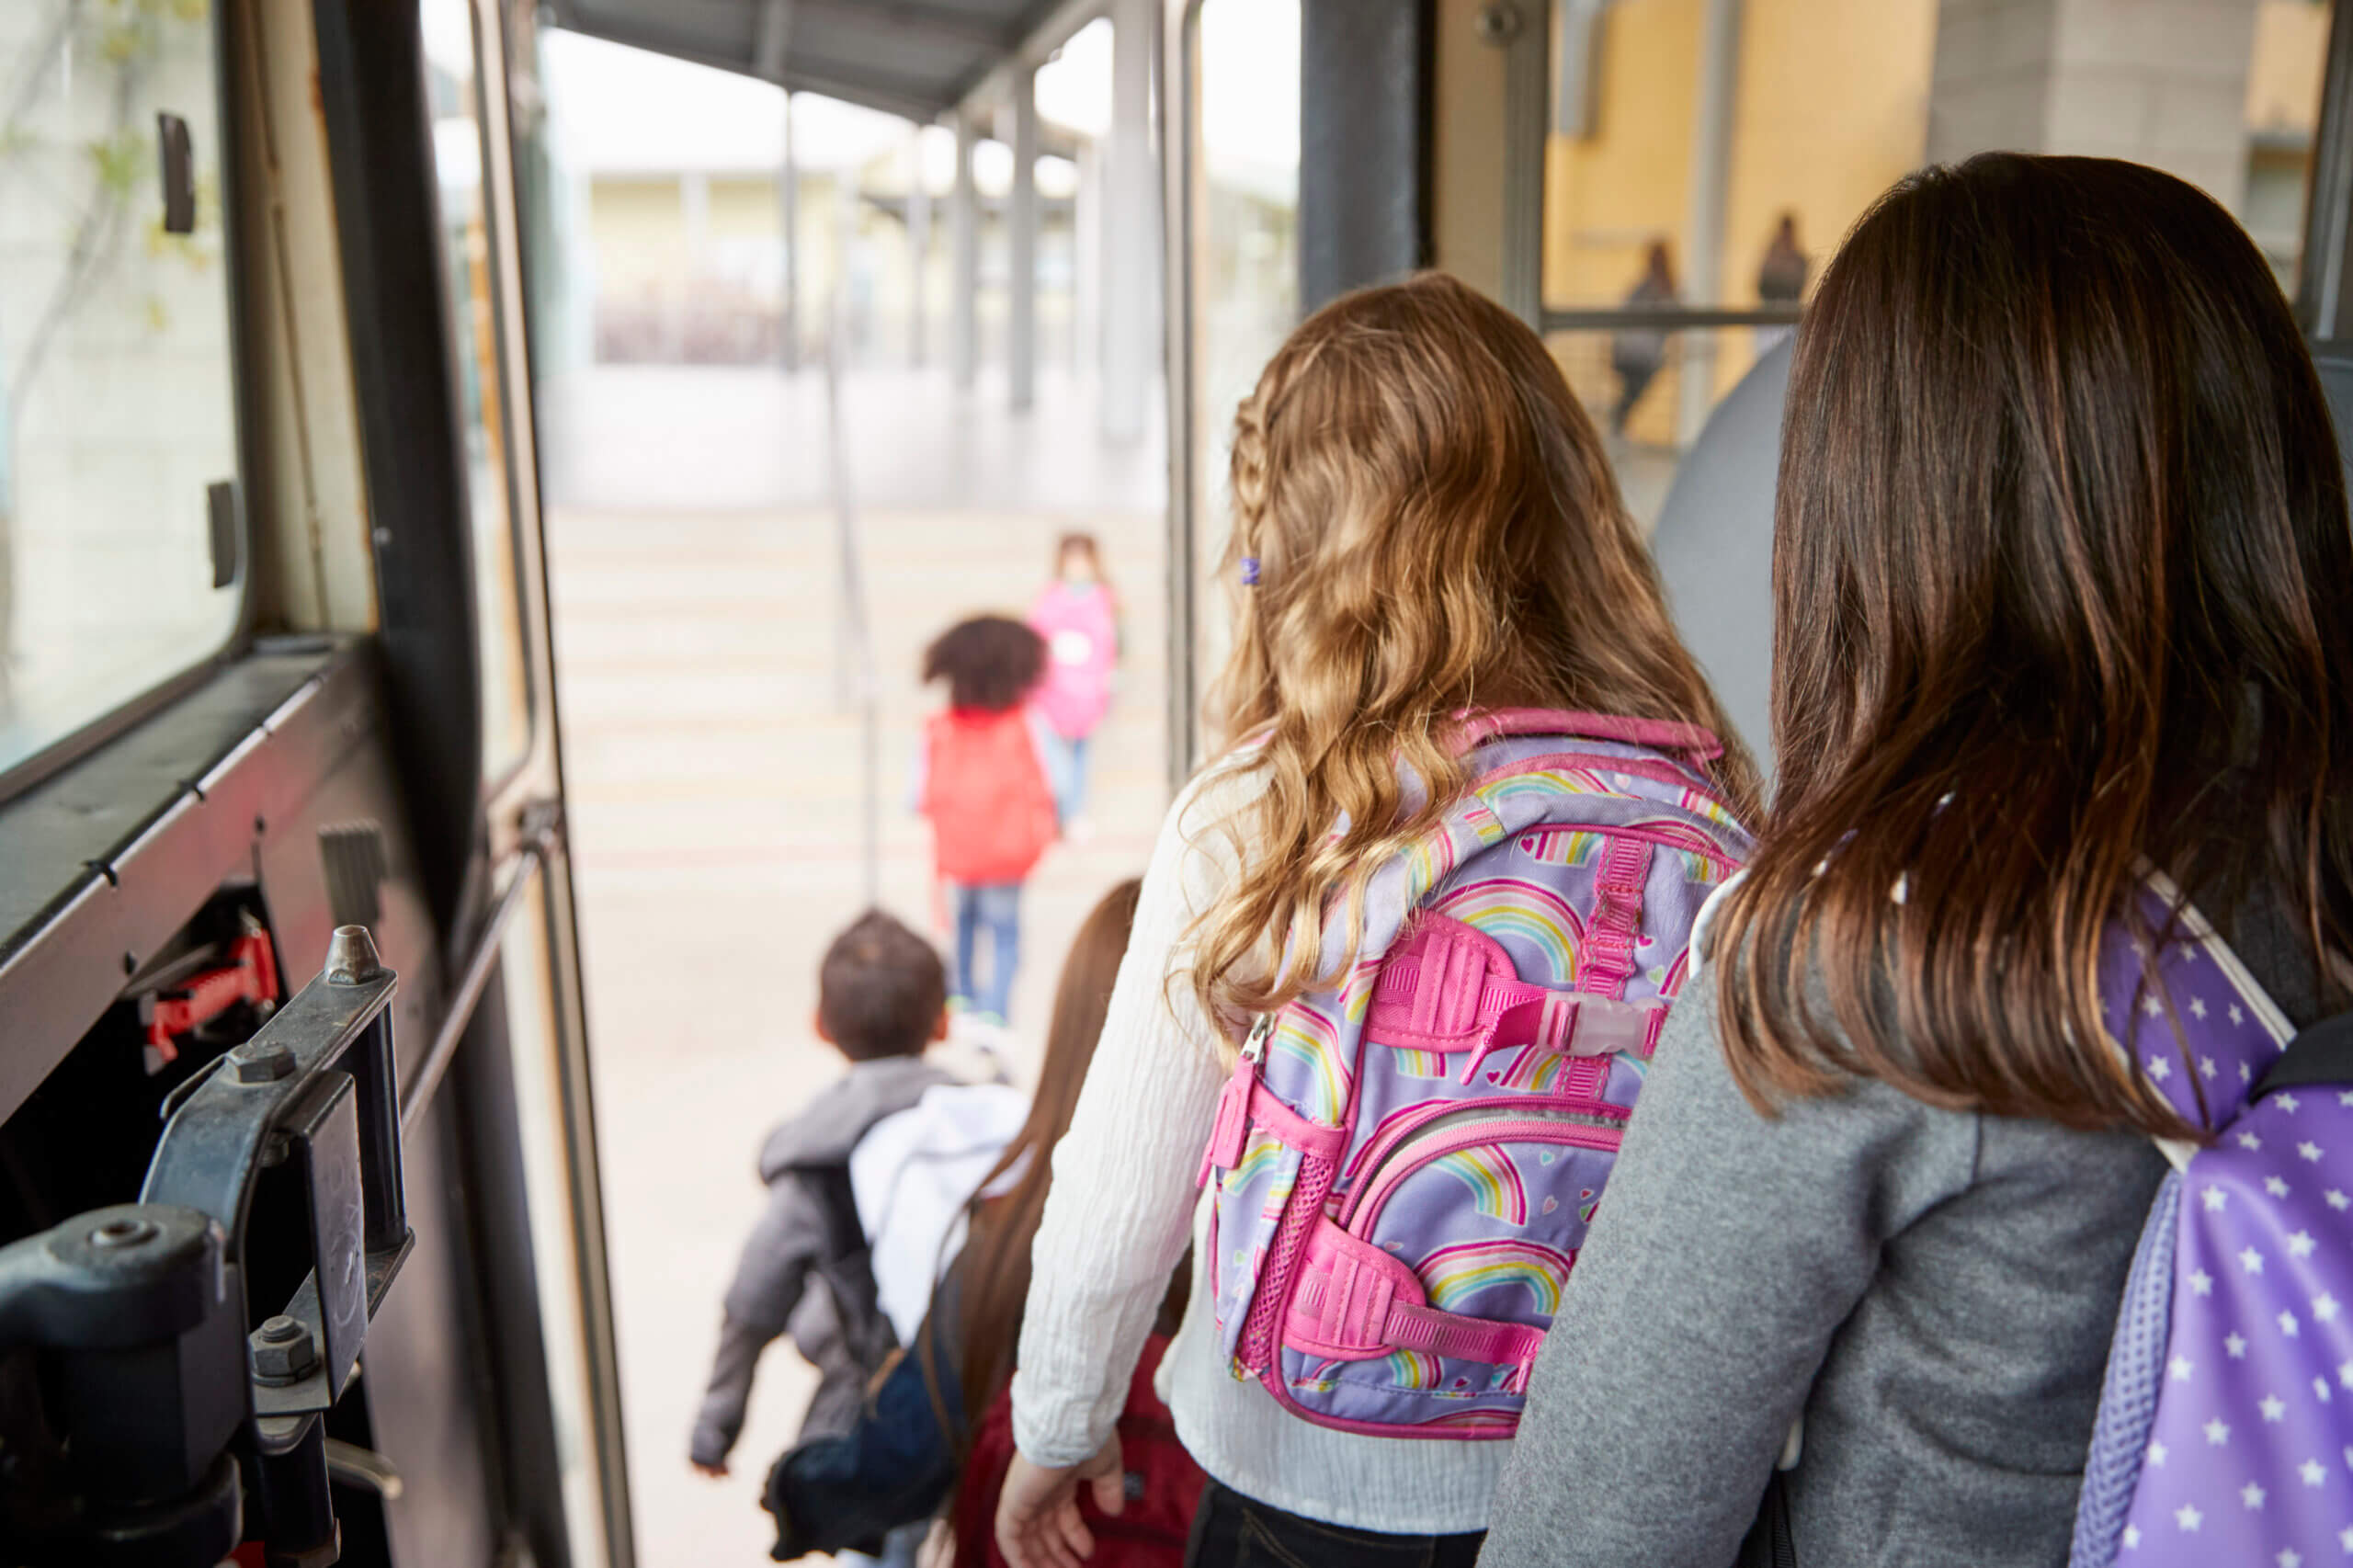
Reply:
x=917, y=58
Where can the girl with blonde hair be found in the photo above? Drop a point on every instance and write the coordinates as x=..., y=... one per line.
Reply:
x=1425, y=532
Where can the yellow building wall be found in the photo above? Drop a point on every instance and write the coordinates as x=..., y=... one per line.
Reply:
x=1832, y=108
x=2291, y=50
x=640, y=234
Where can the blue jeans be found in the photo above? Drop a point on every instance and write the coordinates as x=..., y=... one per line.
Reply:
x=1066, y=772
x=998, y=908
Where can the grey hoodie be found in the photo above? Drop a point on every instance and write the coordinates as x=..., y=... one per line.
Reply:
x=770, y=1291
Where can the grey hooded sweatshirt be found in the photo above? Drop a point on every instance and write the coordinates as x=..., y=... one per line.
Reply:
x=770, y=1292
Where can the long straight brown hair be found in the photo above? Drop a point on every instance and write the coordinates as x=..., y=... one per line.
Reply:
x=2063, y=588
x=992, y=1271
x=1432, y=525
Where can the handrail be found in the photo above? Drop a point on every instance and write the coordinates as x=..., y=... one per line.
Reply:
x=540, y=832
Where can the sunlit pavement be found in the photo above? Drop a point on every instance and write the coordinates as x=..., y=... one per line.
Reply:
x=714, y=776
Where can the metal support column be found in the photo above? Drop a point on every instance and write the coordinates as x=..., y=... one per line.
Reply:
x=1021, y=249
x=1703, y=244
x=1128, y=305
x=788, y=196
x=964, y=244
x=1367, y=74
x=918, y=253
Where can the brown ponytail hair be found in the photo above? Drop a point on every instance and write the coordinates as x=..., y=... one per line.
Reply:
x=2061, y=585
x=1436, y=528
x=992, y=1271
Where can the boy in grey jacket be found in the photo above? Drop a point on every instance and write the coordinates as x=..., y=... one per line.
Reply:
x=881, y=1002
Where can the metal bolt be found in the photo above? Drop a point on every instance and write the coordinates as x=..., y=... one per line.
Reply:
x=262, y=1063
x=116, y=1234
x=351, y=957
x=283, y=1352
x=1498, y=23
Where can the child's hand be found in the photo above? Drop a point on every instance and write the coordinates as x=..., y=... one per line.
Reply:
x=1038, y=1523
x=716, y=1472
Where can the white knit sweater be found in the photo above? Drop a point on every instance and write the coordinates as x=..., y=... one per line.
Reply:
x=1121, y=1212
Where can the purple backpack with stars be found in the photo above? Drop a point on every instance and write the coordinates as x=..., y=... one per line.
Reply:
x=1405, y=1165
x=2225, y=1428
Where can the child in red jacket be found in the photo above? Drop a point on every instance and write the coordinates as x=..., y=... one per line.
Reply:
x=981, y=777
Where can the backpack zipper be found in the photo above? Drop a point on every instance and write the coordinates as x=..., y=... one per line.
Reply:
x=1448, y=1134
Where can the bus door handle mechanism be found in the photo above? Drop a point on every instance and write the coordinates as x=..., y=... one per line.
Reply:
x=138, y=1315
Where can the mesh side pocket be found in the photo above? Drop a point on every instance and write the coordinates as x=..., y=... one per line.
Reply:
x=2128, y=1395
x=1263, y=1329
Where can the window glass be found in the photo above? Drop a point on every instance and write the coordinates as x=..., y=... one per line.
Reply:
x=1711, y=153
x=453, y=87
x=117, y=409
x=1244, y=272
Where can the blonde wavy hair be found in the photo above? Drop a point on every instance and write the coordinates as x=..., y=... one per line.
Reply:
x=1437, y=529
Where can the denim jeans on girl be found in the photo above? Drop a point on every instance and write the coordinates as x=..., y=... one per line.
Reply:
x=1233, y=1531
x=997, y=908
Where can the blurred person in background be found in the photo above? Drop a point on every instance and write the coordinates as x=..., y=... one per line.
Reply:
x=1079, y=616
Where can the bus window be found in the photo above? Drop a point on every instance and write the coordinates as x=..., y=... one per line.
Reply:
x=1241, y=271
x=453, y=91
x=1706, y=156
x=120, y=523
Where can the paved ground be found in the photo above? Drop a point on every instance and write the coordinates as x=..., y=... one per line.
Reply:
x=715, y=788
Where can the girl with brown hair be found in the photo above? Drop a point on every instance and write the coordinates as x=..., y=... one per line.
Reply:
x=1424, y=528
x=2061, y=577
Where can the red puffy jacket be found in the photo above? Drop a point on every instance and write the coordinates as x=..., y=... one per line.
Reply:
x=1164, y=1484
x=991, y=812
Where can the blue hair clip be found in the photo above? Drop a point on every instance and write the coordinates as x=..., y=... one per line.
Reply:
x=1249, y=571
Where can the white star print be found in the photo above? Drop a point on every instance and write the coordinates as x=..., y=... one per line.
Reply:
x=2188, y=1518
x=2301, y=1244
x=2274, y=1408
x=2287, y=1103
x=2198, y=1006
x=2275, y=1187
x=2313, y=1472
x=2159, y=1068
x=2201, y=1282
x=2251, y=1261
x=2206, y=1065
x=2320, y=1391
x=2345, y=1097
x=2156, y=1453
x=2250, y=1141
x=2217, y=1433
x=2238, y=1014
x=2237, y=1348
x=2180, y=1368
x=2337, y=1201
x=2324, y=1308
x=2308, y=1150
x=2344, y=1374
x=2132, y=1535
x=2252, y=1496
x=2245, y=1074
x=2290, y=1558
x=2150, y=1005
x=2288, y=1324
x=2215, y=1198
x=2344, y=1537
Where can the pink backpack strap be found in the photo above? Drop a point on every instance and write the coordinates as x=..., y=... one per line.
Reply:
x=1691, y=741
x=1448, y=988
x=1355, y=1302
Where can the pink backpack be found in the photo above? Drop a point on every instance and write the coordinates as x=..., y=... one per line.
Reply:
x=1406, y=1164
x=1081, y=626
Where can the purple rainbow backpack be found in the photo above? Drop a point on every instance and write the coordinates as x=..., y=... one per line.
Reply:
x=2225, y=1426
x=1406, y=1164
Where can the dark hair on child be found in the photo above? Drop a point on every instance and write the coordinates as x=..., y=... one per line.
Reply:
x=989, y=662
x=881, y=989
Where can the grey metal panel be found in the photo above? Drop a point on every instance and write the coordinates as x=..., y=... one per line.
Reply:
x=1714, y=547
x=1364, y=143
x=917, y=58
